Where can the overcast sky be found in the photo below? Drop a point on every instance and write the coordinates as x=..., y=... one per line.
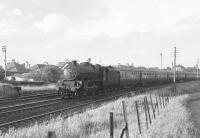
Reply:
x=108, y=31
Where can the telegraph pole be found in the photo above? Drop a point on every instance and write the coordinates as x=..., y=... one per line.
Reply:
x=174, y=65
x=161, y=61
x=4, y=50
x=197, y=68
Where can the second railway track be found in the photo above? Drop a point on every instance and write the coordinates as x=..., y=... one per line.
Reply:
x=26, y=99
x=16, y=115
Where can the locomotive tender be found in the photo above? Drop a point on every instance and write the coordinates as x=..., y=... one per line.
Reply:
x=82, y=79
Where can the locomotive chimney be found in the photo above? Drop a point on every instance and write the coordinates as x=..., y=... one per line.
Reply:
x=74, y=62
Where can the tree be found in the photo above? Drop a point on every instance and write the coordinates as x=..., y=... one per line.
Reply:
x=48, y=74
x=51, y=74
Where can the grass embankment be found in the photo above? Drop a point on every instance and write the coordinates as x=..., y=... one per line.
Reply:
x=47, y=87
x=173, y=121
x=7, y=90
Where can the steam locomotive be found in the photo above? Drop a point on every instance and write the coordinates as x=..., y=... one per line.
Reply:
x=84, y=78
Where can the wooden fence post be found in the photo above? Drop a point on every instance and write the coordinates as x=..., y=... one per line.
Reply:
x=111, y=125
x=148, y=109
x=145, y=109
x=125, y=119
x=51, y=134
x=157, y=104
x=163, y=100
x=160, y=101
x=152, y=107
x=167, y=99
x=138, y=116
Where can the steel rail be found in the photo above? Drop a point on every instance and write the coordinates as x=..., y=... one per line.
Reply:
x=30, y=108
x=128, y=92
x=27, y=96
x=27, y=99
x=27, y=104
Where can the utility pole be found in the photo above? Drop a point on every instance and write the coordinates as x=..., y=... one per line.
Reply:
x=197, y=68
x=4, y=50
x=174, y=65
x=161, y=61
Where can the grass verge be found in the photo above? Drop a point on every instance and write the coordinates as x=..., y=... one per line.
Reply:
x=173, y=121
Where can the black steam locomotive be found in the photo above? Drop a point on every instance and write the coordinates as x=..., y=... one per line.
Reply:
x=86, y=79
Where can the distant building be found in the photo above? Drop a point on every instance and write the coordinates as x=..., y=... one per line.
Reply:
x=41, y=67
x=13, y=67
x=37, y=67
x=180, y=68
x=191, y=69
x=153, y=68
x=168, y=69
x=1, y=69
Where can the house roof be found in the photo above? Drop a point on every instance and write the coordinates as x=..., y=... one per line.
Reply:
x=16, y=67
x=41, y=66
x=37, y=66
x=1, y=69
x=180, y=66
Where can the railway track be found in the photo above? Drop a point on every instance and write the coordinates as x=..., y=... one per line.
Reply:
x=25, y=99
x=27, y=95
x=14, y=116
x=28, y=105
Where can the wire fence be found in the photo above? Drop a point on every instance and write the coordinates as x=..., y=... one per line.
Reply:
x=151, y=104
x=151, y=110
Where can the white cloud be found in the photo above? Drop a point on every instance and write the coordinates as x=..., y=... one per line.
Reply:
x=11, y=20
x=51, y=23
x=7, y=27
x=17, y=12
x=2, y=7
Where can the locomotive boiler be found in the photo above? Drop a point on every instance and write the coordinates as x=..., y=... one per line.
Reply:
x=80, y=79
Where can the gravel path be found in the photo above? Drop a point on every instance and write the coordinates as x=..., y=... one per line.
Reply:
x=194, y=107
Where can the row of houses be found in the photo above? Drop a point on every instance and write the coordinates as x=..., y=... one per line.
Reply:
x=14, y=67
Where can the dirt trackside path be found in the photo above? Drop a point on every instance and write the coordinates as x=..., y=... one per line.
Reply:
x=194, y=107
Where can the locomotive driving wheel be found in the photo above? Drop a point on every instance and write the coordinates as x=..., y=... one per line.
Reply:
x=59, y=92
x=62, y=94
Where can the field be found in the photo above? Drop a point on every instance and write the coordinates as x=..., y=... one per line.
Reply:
x=173, y=121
